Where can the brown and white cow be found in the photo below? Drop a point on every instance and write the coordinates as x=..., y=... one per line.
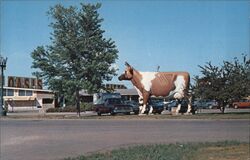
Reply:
x=164, y=84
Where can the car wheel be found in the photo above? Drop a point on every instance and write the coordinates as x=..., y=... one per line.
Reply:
x=236, y=106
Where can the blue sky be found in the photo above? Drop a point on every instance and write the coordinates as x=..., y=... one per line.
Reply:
x=176, y=35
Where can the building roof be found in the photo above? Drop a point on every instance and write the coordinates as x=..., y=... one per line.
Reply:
x=29, y=89
x=128, y=92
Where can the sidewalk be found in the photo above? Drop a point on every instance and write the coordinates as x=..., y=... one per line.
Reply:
x=37, y=114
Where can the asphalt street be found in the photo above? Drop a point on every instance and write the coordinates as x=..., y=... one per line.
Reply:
x=57, y=139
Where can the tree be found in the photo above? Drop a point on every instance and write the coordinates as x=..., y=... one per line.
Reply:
x=79, y=56
x=224, y=83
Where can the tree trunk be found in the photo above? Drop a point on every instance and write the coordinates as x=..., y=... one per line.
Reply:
x=78, y=109
x=222, y=105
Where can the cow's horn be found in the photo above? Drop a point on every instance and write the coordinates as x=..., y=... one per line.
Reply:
x=126, y=63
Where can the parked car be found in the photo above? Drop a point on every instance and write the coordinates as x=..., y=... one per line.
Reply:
x=174, y=103
x=112, y=106
x=135, y=106
x=244, y=103
x=206, y=104
x=158, y=106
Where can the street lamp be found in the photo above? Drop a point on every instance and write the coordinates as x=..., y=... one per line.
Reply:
x=3, y=62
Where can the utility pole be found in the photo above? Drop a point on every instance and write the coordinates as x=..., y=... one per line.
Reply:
x=3, y=62
x=158, y=68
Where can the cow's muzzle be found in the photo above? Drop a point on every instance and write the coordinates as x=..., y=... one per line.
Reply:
x=121, y=77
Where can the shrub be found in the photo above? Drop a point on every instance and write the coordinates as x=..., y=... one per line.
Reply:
x=84, y=107
x=87, y=106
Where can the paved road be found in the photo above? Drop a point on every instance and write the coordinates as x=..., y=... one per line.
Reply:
x=56, y=139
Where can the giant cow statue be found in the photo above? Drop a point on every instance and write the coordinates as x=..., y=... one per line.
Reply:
x=164, y=84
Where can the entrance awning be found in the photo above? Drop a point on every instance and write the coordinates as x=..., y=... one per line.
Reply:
x=20, y=99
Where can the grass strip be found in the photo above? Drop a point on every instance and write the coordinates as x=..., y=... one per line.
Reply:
x=227, y=150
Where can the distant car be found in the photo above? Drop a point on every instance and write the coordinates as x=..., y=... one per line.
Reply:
x=174, y=103
x=158, y=106
x=244, y=103
x=135, y=106
x=206, y=104
x=112, y=106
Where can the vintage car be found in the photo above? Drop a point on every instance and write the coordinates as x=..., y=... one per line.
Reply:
x=112, y=106
x=134, y=104
x=244, y=103
x=206, y=104
x=174, y=103
x=158, y=106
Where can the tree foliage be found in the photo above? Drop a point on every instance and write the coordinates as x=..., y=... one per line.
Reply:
x=79, y=57
x=225, y=83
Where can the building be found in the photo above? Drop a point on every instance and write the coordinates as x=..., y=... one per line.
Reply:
x=23, y=92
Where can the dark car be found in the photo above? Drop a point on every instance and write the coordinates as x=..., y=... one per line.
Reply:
x=174, y=103
x=158, y=106
x=206, y=104
x=135, y=106
x=112, y=106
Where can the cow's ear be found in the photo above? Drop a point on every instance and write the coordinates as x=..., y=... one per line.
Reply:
x=126, y=64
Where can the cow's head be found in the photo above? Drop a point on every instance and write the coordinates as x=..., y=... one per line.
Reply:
x=128, y=74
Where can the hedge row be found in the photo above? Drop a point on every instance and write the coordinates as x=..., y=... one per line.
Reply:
x=84, y=107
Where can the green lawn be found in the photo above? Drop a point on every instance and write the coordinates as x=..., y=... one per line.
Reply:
x=190, y=151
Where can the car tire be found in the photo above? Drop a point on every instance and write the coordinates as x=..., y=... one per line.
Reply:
x=236, y=106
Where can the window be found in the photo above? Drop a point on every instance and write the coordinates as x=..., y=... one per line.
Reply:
x=10, y=92
x=21, y=93
x=29, y=93
x=25, y=93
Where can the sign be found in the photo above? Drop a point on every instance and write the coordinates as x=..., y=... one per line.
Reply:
x=24, y=82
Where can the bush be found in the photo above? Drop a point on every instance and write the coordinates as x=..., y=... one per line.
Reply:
x=87, y=106
x=53, y=110
x=84, y=107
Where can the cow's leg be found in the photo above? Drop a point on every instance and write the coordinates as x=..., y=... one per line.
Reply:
x=189, y=99
x=178, y=106
x=145, y=101
x=179, y=96
x=189, y=105
x=143, y=109
x=140, y=104
x=150, y=110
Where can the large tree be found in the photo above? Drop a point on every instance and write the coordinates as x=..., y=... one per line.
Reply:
x=225, y=83
x=79, y=57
